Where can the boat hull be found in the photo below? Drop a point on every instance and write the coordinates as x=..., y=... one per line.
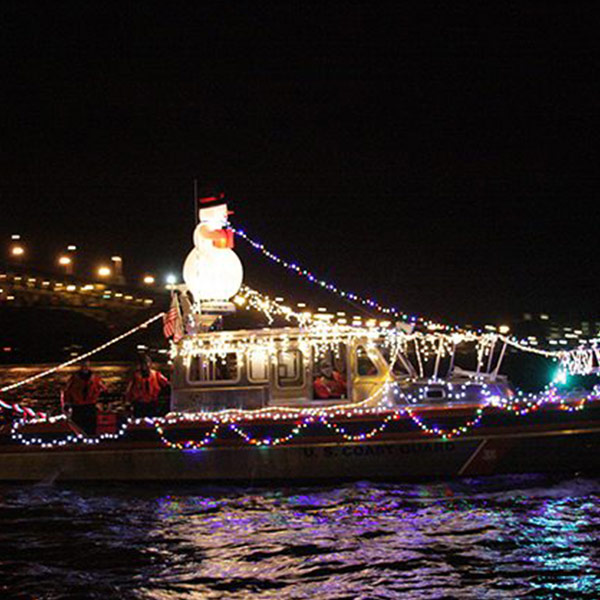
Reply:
x=547, y=452
x=425, y=442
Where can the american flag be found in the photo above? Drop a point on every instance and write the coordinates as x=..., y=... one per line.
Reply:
x=172, y=326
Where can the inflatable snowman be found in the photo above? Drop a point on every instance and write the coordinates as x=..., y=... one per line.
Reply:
x=212, y=270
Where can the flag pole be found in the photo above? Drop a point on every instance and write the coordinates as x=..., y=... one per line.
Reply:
x=196, y=215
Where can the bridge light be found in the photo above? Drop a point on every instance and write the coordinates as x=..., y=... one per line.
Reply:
x=117, y=272
x=148, y=279
x=66, y=262
x=17, y=250
x=15, y=236
x=104, y=271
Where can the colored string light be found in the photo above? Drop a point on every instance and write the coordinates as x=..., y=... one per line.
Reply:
x=303, y=418
x=582, y=353
x=269, y=441
x=360, y=437
x=446, y=434
x=331, y=287
x=187, y=444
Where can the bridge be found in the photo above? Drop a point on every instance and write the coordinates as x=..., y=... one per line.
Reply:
x=110, y=303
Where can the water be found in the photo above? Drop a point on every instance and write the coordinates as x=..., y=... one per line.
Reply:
x=509, y=537
x=501, y=537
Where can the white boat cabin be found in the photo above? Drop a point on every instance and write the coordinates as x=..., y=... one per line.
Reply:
x=276, y=367
x=252, y=369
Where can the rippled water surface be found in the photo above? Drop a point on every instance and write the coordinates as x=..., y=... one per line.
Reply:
x=523, y=537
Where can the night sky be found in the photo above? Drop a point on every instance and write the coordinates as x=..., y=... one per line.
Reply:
x=442, y=158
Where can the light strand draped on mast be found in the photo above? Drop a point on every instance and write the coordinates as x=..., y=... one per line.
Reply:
x=578, y=360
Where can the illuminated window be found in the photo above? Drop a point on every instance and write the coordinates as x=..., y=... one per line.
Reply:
x=258, y=366
x=398, y=367
x=290, y=371
x=335, y=358
x=364, y=365
x=214, y=369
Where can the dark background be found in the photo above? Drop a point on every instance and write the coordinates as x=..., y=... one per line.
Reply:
x=440, y=157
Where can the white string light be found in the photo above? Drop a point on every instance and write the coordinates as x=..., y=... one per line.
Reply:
x=303, y=418
x=81, y=357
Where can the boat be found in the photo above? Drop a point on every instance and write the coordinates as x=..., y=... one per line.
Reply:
x=315, y=400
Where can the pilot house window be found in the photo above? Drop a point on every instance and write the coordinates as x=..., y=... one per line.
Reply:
x=364, y=365
x=214, y=368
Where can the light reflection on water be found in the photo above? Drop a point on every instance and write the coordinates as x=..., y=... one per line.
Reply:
x=486, y=538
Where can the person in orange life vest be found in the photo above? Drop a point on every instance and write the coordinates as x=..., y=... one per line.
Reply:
x=330, y=384
x=144, y=389
x=81, y=395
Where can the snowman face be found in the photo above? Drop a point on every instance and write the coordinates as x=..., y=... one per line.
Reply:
x=214, y=216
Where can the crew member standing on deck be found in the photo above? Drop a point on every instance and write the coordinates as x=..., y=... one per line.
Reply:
x=144, y=389
x=81, y=395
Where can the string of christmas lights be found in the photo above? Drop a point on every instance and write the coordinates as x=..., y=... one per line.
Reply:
x=16, y=407
x=446, y=434
x=317, y=335
x=327, y=336
x=582, y=360
x=331, y=287
x=187, y=444
x=519, y=345
x=27, y=411
x=269, y=441
x=217, y=419
x=394, y=312
x=302, y=418
x=367, y=435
